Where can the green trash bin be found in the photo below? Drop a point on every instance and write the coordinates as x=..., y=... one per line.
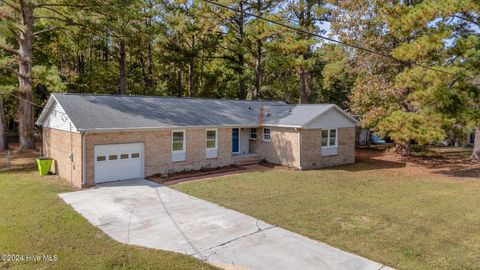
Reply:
x=44, y=165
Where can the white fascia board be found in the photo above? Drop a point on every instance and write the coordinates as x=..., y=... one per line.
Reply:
x=332, y=106
x=46, y=110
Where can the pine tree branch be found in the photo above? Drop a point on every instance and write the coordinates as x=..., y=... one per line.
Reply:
x=45, y=30
x=6, y=48
x=12, y=6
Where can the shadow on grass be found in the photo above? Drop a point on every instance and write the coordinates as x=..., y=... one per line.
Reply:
x=371, y=164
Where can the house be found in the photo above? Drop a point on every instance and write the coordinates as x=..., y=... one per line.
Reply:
x=101, y=138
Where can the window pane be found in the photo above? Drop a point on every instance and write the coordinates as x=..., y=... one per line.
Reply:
x=101, y=158
x=135, y=155
x=123, y=156
x=266, y=131
x=112, y=157
x=177, y=146
x=333, y=136
x=325, y=137
x=253, y=133
x=211, y=144
x=211, y=134
x=177, y=136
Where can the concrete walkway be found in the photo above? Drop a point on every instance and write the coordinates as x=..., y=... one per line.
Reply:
x=143, y=213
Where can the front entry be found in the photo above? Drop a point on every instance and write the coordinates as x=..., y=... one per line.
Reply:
x=235, y=140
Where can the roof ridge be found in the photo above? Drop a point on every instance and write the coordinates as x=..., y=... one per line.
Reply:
x=166, y=97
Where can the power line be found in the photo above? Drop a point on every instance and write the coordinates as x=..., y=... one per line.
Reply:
x=327, y=38
x=34, y=104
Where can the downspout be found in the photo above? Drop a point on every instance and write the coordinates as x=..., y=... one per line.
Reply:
x=84, y=158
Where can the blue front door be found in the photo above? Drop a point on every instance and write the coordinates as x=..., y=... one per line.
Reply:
x=235, y=140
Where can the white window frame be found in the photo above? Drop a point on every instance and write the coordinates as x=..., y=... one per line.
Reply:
x=328, y=138
x=256, y=134
x=216, y=138
x=269, y=134
x=184, y=141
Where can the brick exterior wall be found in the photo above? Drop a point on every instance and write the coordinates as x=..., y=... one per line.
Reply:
x=312, y=149
x=158, y=153
x=56, y=144
x=281, y=149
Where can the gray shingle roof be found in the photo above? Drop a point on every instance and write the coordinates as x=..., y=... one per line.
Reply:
x=102, y=112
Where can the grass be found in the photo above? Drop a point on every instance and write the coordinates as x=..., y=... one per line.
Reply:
x=407, y=222
x=35, y=221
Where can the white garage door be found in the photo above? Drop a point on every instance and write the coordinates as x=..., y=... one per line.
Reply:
x=118, y=162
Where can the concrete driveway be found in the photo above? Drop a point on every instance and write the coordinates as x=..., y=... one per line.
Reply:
x=143, y=213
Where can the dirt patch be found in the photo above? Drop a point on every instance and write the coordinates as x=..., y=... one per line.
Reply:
x=444, y=164
x=180, y=177
x=18, y=160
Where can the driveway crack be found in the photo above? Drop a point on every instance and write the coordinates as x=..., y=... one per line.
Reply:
x=224, y=244
x=177, y=226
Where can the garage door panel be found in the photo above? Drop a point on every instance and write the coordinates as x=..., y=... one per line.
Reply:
x=118, y=162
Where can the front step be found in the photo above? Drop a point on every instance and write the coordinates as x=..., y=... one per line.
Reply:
x=248, y=159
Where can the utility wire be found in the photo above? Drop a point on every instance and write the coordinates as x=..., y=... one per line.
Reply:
x=34, y=104
x=327, y=38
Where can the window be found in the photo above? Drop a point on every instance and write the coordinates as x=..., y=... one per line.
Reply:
x=253, y=134
x=211, y=138
x=112, y=157
x=101, y=158
x=124, y=156
x=266, y=134
x=211, y=143
x=178, y=141
x=135, y=155
x=178, y=146
x=329, y=137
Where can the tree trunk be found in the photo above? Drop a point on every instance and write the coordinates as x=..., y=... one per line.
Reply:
x=258, y=70
x=122, y=85
x=407, y=149
x=149, y=81
x=258, y=60
x=191, y=66
x=3, y=138
x=476, y=144
x=304, y=88
x=25, y=107
x=242, y=91
x=179, y=83
x=190, y=77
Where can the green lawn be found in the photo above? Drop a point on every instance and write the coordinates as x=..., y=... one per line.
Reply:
x=408, y=222
x=35, y=221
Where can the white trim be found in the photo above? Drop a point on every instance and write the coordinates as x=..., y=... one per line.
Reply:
x=48, y=108
x=216, y=138
x=328, y=138
x=184, y=141
x=269, y=134
x=333, y=106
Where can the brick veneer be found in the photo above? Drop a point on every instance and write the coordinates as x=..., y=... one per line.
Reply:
x=311, y=149
x=158, y=154
x=281, y=149
x=56, y=144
